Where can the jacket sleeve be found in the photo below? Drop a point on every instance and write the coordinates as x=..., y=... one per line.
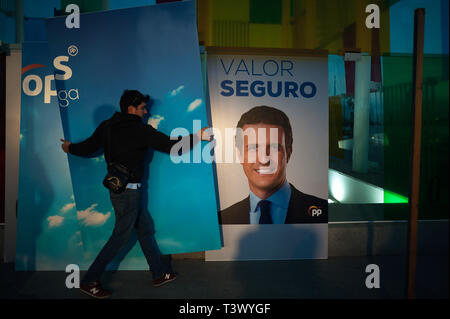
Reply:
x=162, y=142
x=89, y=145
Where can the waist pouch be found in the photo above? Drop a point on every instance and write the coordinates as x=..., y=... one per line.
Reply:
x=117, y=178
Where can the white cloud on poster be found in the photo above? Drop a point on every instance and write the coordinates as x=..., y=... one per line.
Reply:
x=194, y=104
x=91, y=217
x=54, y=221
x=177, y=90
x=67, y=207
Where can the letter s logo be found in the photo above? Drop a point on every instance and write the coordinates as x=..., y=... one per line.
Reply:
x=65, y=68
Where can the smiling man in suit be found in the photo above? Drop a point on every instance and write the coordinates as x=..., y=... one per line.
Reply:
x=264, y=143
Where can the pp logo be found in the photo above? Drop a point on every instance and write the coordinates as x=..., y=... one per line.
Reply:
x=72, y=50
x=314, y=211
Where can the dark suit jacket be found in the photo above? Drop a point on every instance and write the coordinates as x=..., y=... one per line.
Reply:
x=297, y=213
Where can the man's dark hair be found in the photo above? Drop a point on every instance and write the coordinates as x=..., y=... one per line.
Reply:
x=132, y=97
x=267, y=115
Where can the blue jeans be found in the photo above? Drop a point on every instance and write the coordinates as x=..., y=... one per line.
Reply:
x=129, y=215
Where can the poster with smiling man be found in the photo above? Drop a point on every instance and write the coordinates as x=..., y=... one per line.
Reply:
x=272, y=111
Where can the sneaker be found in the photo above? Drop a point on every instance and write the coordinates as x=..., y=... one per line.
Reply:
x=95, y=290
x=164, y=279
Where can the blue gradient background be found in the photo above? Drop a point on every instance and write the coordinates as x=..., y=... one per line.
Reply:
x=45, y=190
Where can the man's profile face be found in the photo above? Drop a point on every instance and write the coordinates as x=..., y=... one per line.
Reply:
x=139, y=110
x=264, y=160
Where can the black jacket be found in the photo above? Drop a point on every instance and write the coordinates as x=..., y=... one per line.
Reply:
x=129, y=141
x=299, y=211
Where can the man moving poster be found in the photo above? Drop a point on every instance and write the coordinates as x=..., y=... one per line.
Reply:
x=130, y=138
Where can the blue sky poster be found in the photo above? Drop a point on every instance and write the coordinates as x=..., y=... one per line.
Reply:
x=155, y=50
x=48, y=235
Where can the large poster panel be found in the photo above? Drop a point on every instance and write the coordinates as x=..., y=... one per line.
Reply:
x=155, y=50
x=48, y=236
x=251, y=90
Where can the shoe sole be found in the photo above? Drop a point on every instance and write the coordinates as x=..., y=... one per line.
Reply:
x=164, y=282
x=94, y=296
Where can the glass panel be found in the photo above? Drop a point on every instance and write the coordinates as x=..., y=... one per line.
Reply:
x=397, y=77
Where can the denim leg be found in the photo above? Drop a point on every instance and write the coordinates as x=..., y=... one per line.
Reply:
x=167, y=262
x=145, y=232
x=126, y=207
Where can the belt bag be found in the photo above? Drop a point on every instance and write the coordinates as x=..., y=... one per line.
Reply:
x=117, y=178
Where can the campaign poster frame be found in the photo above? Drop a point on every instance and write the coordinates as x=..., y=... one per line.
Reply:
x=306, y=240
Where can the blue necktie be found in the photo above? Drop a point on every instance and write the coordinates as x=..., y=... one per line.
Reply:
x=264, y=207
